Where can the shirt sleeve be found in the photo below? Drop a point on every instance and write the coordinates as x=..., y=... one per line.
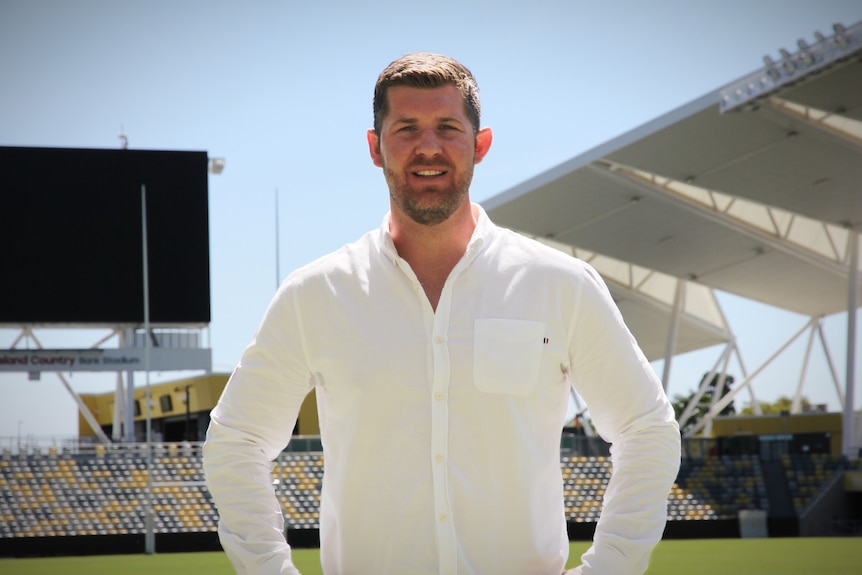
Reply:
x=249, y=427
x=631, y=411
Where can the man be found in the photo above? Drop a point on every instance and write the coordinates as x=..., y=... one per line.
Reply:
x=441, y=349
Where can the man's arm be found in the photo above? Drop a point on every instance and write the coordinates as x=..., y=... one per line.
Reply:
x=630, y=410
x=251, y=526
x=250, y=425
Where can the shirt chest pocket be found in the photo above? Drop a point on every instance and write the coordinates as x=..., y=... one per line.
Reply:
x=507, y=355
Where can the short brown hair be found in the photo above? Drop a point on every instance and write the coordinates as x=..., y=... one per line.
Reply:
x=426, y=70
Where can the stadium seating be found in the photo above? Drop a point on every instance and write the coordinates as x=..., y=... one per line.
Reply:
x=584, y=482
x=717, y=488
x=105, y=490
x=807, y=474
x=297, y=480
x=102, y=492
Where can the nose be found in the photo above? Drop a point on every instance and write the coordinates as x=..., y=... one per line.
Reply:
x=428, y=144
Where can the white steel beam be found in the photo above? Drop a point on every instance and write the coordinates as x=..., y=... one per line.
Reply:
x=850, y=381
x=649, y=184
x=673, y=330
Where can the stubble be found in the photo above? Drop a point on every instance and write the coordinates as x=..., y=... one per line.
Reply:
x=431, y=205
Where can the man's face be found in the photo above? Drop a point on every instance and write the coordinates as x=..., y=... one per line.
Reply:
x=427, y=149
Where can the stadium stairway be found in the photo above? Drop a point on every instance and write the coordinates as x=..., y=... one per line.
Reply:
x=780, y=500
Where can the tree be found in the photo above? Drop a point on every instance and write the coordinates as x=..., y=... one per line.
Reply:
x=783, y=404
x=680, y=402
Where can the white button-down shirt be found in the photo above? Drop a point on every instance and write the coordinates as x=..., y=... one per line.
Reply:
x=441, y=430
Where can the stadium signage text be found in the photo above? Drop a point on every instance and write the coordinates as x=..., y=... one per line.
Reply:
x=103, y=359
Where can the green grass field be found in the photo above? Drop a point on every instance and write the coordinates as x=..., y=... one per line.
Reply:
x=787, y=556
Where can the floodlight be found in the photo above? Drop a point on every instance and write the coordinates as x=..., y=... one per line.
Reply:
x=793, y=66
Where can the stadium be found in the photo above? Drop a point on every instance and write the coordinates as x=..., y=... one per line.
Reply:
x=717, y=217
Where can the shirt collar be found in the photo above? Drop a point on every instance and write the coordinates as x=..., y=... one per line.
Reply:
x=481, y=235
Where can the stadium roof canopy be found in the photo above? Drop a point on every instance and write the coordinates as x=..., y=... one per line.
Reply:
x=754, y=189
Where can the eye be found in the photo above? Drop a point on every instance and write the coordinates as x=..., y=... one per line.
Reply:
x=406, y=128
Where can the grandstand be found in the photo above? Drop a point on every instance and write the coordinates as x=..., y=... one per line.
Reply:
x=751, y=189
x=90, y=497
x=717, y=488
x=51, y=498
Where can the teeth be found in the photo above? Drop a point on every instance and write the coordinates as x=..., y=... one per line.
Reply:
x=428, y=173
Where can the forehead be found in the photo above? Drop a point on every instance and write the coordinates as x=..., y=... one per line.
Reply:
x=408, y=102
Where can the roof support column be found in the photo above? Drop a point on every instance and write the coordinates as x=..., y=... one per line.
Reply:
x=127, y=339
x=119, y=410
x=85, y=411
x=673, y=330
x=850, y=382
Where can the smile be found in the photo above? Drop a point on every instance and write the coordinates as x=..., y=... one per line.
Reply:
x=426, y=173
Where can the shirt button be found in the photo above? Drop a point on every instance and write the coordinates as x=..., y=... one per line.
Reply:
x=438, y=396
x=443, y=518
x=416, y=287
x=439, y=457
x=439, y=339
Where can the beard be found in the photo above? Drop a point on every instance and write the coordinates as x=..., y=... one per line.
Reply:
x=429, y=205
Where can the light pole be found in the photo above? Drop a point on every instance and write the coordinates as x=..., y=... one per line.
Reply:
x=214, y=166
x=149, y=536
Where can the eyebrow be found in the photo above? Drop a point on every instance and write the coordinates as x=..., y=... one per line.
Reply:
x=440, y=120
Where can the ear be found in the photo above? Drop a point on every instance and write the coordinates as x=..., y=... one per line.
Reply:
x=374, y=147
x=483, y=143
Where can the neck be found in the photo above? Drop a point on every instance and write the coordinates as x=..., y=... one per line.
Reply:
x=433, y=251
x=446, y=241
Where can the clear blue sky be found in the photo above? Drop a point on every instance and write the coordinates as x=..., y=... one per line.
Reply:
x=282, y=90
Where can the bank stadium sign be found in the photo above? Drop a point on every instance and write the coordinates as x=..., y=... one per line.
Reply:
x=111, y=359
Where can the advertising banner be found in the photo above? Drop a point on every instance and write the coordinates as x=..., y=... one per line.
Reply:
x=108, y=359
